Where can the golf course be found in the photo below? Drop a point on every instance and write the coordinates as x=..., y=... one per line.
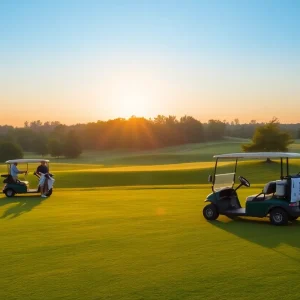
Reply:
x=129, y=225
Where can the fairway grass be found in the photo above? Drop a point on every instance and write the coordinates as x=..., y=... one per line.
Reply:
x=90, y=176
x=136, y=243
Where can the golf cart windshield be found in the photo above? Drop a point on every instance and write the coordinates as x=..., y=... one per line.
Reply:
x=224, y=181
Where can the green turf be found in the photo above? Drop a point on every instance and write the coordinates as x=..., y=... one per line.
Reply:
x=79, y=175
x=147, y=240
x=187, y=164
x=140, y=244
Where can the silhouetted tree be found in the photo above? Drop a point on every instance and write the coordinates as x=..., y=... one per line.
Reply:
x=72, y=146
x=191, y=130
x=216, y=129
x=55, y=147
x=9, y=150
x=40, y=145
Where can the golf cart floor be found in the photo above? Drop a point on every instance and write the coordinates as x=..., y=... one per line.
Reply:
x=32, y=191
x=235, y=212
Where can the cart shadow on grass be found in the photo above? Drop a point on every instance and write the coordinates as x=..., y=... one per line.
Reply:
x=24, y=204
x=261, y=232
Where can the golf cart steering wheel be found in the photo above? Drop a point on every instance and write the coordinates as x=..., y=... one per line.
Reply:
x=244, y=181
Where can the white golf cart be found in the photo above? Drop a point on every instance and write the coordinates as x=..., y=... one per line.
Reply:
x=13, y=186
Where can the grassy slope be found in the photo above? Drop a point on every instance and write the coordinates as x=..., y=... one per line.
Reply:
x=195, y=173
x=179, y=154
x=188, y=164
x=140, y=244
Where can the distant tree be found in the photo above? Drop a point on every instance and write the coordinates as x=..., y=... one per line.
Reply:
x=55, y=148
x=25, y=138
x=268, y=138
x=215, y=130
x=40, y=145
x=298, y=133
x=35, y=125
x=191, y=129
x=160, y=119
x=9, y=150
x=236, y=121
x=72, y=146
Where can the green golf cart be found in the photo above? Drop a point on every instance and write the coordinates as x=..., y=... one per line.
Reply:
x=279, y=199
x=13, y=187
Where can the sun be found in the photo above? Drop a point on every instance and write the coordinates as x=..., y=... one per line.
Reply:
x=133, y=99
x=134, y=104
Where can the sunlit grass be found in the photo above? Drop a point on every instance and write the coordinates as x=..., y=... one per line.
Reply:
x=140, y=244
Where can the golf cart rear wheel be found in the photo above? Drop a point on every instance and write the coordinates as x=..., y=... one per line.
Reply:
x=49, y=193
x=210, y=212
x=292, y=218
x=278, y=216
x=9, y=193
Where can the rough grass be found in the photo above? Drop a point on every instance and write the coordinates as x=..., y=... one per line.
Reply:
x=141, y=244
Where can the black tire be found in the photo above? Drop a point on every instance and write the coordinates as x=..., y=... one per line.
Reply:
x=292, y=218
x=210, y=212
x=278, y=216
x=9, y=193
x=49, y=193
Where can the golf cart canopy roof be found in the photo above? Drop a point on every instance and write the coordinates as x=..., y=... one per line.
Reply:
x=259, y=155
x=26, y=161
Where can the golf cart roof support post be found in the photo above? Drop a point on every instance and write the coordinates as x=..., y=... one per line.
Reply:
x=287, y=166
x=281, y=169
x=236, y=161
x=215, y=171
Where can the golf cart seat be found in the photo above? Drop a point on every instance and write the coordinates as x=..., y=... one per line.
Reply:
x=24, y=182
x=8, y=178
x=267, y=192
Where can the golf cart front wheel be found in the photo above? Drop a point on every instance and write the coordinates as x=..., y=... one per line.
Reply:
x=210, y=212
x=49, y=193
x=9, y=193
x=278, y=216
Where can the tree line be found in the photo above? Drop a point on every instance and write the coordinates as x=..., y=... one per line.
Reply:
x=134, y=133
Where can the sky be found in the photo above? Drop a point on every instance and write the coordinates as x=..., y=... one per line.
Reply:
x=83, y=61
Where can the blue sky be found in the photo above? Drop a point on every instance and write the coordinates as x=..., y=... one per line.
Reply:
x=89, y=60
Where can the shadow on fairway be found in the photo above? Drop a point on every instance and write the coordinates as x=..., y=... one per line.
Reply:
x=261, y=232
x=23, y=205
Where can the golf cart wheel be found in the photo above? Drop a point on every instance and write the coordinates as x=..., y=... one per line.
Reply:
x=49, y=193
x=278, y=216
x=210, y=212
x=292, y=218
x=9, y=193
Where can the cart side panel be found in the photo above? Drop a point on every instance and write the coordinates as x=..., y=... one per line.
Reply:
x=262, y=208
